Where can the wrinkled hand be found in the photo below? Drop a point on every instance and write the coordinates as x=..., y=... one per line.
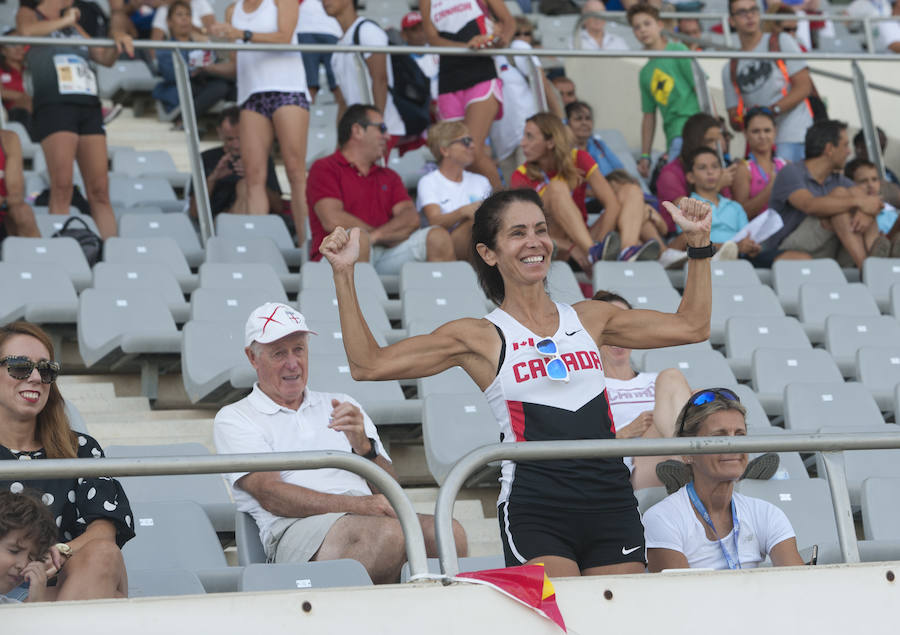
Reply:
x=347, y=418
x=637, y=427
x=375, y=505
x=341, y=248
x=694, y=217
x=36, y=575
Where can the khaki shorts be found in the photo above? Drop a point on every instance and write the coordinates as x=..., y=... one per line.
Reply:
x=298, y=539
x=817, y=241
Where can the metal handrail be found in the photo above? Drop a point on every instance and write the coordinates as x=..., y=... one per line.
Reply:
x=831, y=445
x=264, y=462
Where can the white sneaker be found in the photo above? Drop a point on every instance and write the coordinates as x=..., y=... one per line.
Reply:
x=672, y=258
x=728, y=251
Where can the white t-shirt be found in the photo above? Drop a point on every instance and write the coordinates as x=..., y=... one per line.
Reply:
x=887, y=33
x=258, y=424
x=518, y=101
x=628, y=398
x=672, y=524
x=348, y=75
x=430, y=64
x=611, y=42
x=313, y=19
x=436, y=189
x=199, y=8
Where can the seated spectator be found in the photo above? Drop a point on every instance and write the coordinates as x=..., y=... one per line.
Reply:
x=861, y=152
x=754, y=178
x=211, y=81
x=201, y=14
x=26, y=532
x=580, y=119
x=314, y=26
x=566, y=89
x=449, y=196
x=644, y=405
x=224, y=170
x=142, y=13
x=593, y=35
x=691, y=28
x=865, y=174
x=888, y=32
x=666, y=84
x=561, y=175
x=349, y=189
x=16, y=99
x=705, y=524
x=310, y=515
x=92, y=515
x=825, y=214
x=16, y=216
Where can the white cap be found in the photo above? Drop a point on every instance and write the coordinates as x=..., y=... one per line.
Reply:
x=272, y=321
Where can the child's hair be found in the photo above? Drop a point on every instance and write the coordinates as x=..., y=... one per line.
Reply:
x=622, y=177
x=692, y=157
x=642, y=7
x=854, y=165
x=26, y=511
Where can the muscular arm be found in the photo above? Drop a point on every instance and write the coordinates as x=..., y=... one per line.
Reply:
x=404, y=221
x=659, y=559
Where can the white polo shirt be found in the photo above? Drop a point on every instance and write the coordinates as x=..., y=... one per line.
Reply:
x=258, y=424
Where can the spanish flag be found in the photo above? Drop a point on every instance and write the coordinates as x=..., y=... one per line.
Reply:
x=527, y=584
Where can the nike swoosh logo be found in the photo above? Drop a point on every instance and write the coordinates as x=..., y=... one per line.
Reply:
x=625, y=551
x=573, y=332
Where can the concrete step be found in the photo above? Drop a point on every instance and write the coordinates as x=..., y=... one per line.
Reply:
x=154, y=432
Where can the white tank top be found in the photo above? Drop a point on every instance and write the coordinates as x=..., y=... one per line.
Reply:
x=265, y=71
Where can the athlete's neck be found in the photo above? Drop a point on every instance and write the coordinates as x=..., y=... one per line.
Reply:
x=533, y=308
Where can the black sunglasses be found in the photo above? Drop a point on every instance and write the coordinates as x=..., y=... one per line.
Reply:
x=465, y=141
x=789, y=29
x=22, y=367
x=705, y=397
x=382, y=127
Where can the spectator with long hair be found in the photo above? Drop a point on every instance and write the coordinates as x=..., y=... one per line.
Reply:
x=754, y=177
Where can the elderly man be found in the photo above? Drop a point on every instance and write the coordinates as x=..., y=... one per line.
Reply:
x=304, y=515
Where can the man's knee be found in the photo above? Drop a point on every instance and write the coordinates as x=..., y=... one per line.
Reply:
x=461, y=539
x=670, y=379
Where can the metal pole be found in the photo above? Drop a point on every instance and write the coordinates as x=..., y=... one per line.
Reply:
x=726, y=32
x=702, y=89
x=840, y=501
x=867, y=30
x=865, y=118
x=189, y=122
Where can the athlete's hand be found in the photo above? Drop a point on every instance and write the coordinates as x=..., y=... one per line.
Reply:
x=695, y=219
x=341, y=248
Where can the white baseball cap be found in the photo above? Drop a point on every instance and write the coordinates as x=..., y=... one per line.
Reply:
x=272, y=321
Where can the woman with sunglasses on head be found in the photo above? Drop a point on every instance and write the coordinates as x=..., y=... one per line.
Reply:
x=754, y=178
x=449, y=196
x=93, y=514
x=705, y=524
x=539, y=366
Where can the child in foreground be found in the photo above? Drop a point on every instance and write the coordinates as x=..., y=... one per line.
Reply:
x=26, y=532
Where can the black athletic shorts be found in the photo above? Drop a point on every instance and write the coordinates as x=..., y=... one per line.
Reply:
x=78, y=118
x=590, y=538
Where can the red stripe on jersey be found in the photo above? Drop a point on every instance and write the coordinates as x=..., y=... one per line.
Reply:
x=612, y=422
x=516, y=419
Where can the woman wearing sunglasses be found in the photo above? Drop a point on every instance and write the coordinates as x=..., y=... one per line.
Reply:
x=539, y=366
x=93, y=514
x=705, y=524
x=449, y=196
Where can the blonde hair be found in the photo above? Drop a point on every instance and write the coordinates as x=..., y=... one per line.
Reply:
x=554, y=130
x=442, y=133
x=691, y=417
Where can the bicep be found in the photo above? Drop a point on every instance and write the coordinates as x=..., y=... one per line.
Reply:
x=785, y=554
x=801, y=199
x=661, y=559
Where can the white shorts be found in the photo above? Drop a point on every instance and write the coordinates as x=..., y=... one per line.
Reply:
x=389, y=260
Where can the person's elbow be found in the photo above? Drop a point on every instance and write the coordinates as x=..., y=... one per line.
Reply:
x=367, y=372
x=894, y=47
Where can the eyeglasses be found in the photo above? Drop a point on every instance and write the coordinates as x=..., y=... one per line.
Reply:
x=465, y=141
x=523, y=33
x=746, y=13
x=789, y=29
x=382, y=127
x=22, y=367
x=556, y=367
x=705, y=397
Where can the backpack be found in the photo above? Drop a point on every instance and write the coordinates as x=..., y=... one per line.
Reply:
x=91, y=244
x=411, y=90
x=814, y=103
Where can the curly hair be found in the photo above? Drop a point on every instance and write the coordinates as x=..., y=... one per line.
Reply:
x=26, y=511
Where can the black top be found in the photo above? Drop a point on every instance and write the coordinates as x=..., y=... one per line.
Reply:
x=224, y=193
x=76, y=502
x=62, y=74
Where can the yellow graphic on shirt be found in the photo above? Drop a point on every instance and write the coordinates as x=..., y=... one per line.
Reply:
x=661, y=85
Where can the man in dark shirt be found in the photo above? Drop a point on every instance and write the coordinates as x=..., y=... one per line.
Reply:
x=225, y=172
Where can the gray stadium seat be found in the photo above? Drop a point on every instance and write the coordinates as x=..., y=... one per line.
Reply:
x=878, y=368
x=810, y=406
x=243, y=226
x=844, y=335
x=210, y=491
x=556, y=30
x=788, y=275
x=659, y=298
x=774, y=368
x=147, y=276
x=246, y=536
x=121, y=212
x=452, y=381
x=261, y=250
x=790, y=465
x=242, y=276
x=756, y=415
x=214, y=368
x=49, y=224
x=895, y=300
x=452, y=426
x=38, y=292
x=227, y=305
x=617, y=276
x=818, y=301
x=466, y=565
x=438, y=275
x=880, y=502
x=443, y=304
x=175, y=226
x=126, y=191
x=743, y=335
x=329, y=339
x=318, y=275
x=322, y=142
x=125, y=75
x=647, y=497
x=702, y=369
x=306, y=575
x=76, y=421
x=172, y=535
x=162, y=250
x=65, y=252
x=806, y=502
x=146, y=583
x=732, y=273
x=412, y=166
x=862, y=464
x=727, y=301
x=562, y=284
x=639, y=356
x=149, y=163
x=879, y=274
x=39, y=165
x=320, y=305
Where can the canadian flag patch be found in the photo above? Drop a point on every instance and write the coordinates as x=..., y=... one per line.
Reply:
x=523, y=344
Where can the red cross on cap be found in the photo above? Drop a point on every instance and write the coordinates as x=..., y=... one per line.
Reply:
x=271, y=318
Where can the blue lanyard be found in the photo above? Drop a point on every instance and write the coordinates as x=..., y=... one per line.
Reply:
x=762, y=172
x=701, y=509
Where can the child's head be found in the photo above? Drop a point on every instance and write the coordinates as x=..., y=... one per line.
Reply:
x=863, y=172
x=703, y=169
x=26, y=532
x=645, y=22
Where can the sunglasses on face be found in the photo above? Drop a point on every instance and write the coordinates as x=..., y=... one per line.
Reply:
x=22, y=367
x=789, y=29
x=705, y=397
x=465, y=141
x=556, y=368
x=382, y=127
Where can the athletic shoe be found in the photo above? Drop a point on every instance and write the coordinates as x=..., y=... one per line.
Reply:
x=728, y=251
x=606, y=249
x=648, y=251
x=881, y=248
x=672, y=258
x=674, y=475
x=763, y=467
x=112, y=113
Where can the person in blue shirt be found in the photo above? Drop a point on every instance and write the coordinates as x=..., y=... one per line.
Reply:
x=580, y=118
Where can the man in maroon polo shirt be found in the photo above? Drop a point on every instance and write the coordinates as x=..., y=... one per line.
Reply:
x=348, y=189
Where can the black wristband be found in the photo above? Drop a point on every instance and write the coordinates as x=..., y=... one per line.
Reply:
x=248, y=35
x=371, y=454
x=701, y=252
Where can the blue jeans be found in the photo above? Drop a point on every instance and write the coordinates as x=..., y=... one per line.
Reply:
x=311, y=60
x=792, y=152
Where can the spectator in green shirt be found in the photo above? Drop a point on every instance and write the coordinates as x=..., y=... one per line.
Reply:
x=666, y=84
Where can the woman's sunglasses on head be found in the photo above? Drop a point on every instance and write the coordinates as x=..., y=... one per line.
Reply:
x=705, y=397
x=21, y=368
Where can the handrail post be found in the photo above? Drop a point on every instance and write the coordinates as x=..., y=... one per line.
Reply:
x=840, y=501
x=537, y=86
x=726, y=32
x=870, y=39
x=189, y=122
x=702, y=88
x=865, y=118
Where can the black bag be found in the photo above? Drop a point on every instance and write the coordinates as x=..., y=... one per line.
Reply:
x=411, y=90
x=91, y=243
